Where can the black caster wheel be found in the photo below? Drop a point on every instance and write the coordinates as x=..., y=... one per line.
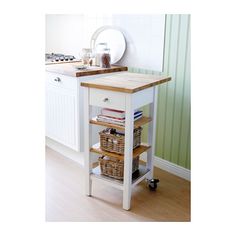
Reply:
x=152, y=184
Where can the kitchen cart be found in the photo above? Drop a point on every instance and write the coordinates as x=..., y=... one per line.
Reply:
x=127, y=92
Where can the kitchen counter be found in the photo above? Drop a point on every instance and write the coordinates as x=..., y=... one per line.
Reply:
x=71, y=70
x=126, y=82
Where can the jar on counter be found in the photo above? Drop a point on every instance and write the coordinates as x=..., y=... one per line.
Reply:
x=98, y=52
x=86, y=56
x=105, y=58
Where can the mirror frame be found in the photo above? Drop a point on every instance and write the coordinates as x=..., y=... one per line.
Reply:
x=101, y=29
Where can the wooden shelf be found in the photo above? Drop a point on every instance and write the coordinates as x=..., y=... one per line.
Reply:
x=137, y=176
x=142, y=121
x=136, y=152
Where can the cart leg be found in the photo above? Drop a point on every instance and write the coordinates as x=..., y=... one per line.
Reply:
x=87, y=137
x=152, y=133
x=128, y=157
x=150, y=163
x=88, y=184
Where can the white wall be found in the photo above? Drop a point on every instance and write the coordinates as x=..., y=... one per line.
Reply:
x=64, y=34
x=144, y=35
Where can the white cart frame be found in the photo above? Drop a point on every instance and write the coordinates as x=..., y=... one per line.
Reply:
x=132, y=102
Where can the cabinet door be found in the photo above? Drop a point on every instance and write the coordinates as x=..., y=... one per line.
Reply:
x=61, y=116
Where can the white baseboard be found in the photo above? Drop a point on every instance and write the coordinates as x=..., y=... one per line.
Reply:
x=78, y=157
x=170, y=167
x=65, y=151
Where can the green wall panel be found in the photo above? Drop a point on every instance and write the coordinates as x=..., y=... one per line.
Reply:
x=174, y=108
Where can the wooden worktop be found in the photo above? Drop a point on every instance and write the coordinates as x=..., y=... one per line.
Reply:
x=126, y=82
x=71, y=70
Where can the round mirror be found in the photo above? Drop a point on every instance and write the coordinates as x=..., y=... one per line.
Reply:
x=113, y=38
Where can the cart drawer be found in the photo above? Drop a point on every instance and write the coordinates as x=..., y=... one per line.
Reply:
x=105, y=98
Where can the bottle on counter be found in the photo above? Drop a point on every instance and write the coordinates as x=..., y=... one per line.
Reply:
x=86, y=56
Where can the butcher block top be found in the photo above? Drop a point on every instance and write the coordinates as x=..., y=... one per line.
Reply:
x=126, y=82
x=72, y=70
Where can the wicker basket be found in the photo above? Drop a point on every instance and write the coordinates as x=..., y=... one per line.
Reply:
x=116, y=142
x=114, y=168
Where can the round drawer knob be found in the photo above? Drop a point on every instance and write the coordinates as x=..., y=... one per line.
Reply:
x=105, y=100
x=57, y=79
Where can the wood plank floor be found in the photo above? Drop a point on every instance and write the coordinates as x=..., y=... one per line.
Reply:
x=65, y=199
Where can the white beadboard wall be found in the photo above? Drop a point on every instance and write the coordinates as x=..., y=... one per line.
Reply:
x=144, y=34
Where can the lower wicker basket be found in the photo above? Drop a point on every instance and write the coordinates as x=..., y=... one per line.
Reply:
x=114, y=168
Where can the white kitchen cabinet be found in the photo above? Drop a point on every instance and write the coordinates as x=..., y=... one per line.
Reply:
x=64, y=111
x=62, y=107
